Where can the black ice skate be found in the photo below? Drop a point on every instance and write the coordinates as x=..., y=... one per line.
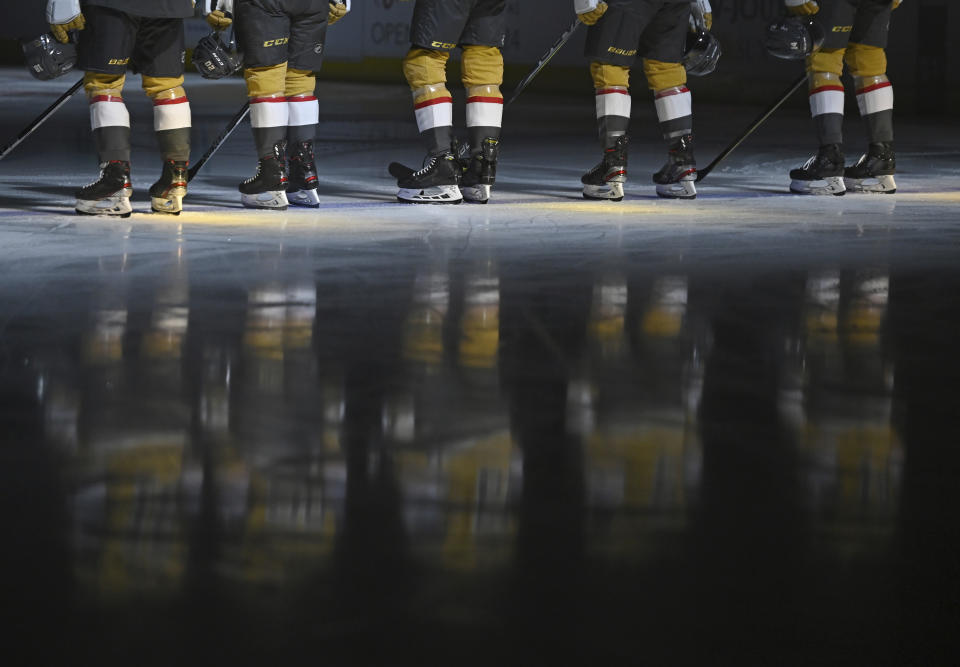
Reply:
x=267, y=189
x=605, y=181
x=874, y=171
x=302, y=188
x=436, y=183
x=677, y=178
x=480, y=172
x=110, y=195
x=820, y=175
x=166, y=195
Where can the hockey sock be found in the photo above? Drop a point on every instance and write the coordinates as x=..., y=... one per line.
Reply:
x=826, y=106
x=269, y=116
x=171, y=122
x=613, y=113
x=484, y=114
x=304, y=114
x=875, y=99
x=110, y=121
x=674, y=111
x=433, y=107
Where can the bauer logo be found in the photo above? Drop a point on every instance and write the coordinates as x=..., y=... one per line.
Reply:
x=442, y=45
x=279, y=41
x=622, y=52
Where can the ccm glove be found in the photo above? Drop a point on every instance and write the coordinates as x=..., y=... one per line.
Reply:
x=589, y=11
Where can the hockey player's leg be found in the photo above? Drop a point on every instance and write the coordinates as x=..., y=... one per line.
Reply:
x=304, y=114
x=822, y=174
x=674, y=105
x=875, y=170
x=110, y=121
x=482, y=76
x=269, y=116
x=606, y=179
x=171, y=122
x=438, y=181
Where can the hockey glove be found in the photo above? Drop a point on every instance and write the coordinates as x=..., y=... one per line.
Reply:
x=589, y=11
x=701, y=15
x=801, y=7
x=64, y=16
x=337, y=11
x=896, y=3
x=219, y=20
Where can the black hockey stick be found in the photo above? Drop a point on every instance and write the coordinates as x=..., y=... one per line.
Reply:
x=39, y=120
x=703, y=173
x=218, y=142
x=544, y=59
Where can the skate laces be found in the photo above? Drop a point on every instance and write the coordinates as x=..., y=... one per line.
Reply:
x=428, y=162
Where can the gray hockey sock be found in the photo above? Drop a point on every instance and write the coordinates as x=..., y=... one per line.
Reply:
x=174, y=144
x=113, y=143
x=266, y=138
x=880, y=126
x=671, y=130
x=829, y=128
x=438, y=139
x=299, y=133
x=610, y=128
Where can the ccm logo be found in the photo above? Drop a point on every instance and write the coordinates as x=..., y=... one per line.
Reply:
x=842, y=28
x=118, y=61
x=442, y=45
x=279, y=41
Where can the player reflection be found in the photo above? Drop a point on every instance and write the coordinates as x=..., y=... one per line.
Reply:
x=542, y=340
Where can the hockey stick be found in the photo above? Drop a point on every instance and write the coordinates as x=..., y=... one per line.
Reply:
x=544, y=59
x=39, y=120
x=218, y=142
x=703, y=173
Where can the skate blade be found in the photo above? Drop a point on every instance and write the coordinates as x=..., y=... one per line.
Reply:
x=438, y=194
x=172, y=204
x=274, y=200
x=684, y=189
x=399, y=171
x=832, y=185
x=877, y=185
x=477, y=194
x=612, y=191
x=111, y=206
x=304, y=198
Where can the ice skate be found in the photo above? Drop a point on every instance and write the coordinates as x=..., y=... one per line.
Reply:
x=677, y=178
x=302, y=188
x=480, y=172
x=110, y=194
x=436, y=183
x=267, y=189
x=820, y=175
x=166, y=195
x=874, y=171
x=605, y=181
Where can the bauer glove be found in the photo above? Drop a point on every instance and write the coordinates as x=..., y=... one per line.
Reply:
x=64, y=16
x=337, y=11
x=801, y=7
x=589, y=11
